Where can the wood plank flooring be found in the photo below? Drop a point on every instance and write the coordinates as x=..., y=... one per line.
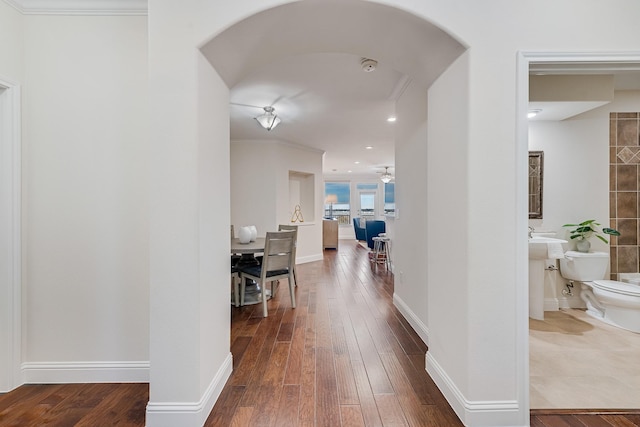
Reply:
x=343, y=357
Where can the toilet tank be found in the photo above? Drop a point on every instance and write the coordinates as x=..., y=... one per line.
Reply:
x=584, y=266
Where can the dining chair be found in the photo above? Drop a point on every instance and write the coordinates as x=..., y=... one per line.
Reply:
x=277, y=264
x=294, y=228
x=235, y=274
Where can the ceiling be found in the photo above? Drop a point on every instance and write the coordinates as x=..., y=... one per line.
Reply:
x=326, y=101
x=626, y=76
x=304, y=59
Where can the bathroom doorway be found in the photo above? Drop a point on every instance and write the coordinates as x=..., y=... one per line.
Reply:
x=575, y=361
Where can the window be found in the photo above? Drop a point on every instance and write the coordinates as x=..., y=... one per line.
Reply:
x=367, y=199
x=337, y=196
x=390, y=198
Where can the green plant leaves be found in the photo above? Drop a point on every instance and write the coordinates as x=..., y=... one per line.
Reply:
x=588, y=228
x=611, y=231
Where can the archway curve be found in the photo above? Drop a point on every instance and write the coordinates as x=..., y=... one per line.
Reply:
x=355, y=27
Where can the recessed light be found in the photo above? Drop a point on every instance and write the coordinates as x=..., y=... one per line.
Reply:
x=532, y=113
x=357, y=163
x=349, y=171
x=368, y=147
x=391, y=119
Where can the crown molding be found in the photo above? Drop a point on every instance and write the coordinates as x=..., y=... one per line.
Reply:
x=79, y=7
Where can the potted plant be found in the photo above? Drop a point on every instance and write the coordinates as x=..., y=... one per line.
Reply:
x=585, y=230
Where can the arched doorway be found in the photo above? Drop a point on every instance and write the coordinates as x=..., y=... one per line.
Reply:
x=307, y=27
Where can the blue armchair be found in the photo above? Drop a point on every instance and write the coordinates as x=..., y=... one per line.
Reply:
x=373, y=228
x=361, y=233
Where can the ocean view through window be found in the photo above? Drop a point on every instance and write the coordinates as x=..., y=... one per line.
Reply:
x=338, y=207
x=390, y=198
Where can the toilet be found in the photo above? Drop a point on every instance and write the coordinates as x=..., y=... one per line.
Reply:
x=614, y=302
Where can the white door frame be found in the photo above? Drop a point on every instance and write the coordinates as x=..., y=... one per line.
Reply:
x=524, y=61
x=10, y=237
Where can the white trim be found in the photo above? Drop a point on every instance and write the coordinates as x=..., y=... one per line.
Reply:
x=474, y=413
x=80, y=7
x=551, y=304
x=416, y=323
x=522, y=246
x=85, y=372
x=309, y=258
x=10, y=230
x=171, y=414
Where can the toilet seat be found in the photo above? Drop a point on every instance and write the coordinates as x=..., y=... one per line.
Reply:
x=617, y=287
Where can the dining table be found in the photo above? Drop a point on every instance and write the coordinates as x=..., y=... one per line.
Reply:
x=247, y=252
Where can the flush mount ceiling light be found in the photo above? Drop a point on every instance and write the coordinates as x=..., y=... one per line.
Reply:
x=386, y=177
x=269, y=119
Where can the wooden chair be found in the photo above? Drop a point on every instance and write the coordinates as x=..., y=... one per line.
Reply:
x=294, y=228
x=277, y=263
x=235, y=274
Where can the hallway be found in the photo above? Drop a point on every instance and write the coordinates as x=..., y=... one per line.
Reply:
x=344, y=356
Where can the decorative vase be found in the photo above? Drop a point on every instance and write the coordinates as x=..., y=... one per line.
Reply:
x=244, y=234
x=583, y=245
x=254, y=232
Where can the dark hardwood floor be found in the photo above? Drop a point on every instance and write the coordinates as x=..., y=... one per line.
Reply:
x=343, y=357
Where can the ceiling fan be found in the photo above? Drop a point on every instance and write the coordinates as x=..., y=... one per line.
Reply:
x=268, y=119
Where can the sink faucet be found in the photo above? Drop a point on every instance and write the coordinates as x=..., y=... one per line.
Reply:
x=531, y=230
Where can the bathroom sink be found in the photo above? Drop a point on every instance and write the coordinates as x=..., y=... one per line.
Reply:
x=543, y=234
x=539, y=247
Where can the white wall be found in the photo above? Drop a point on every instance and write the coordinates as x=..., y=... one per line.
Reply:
x=85, y=185
x=189, y=228
x=576, y=176
x=261, y=197
x=447, y=213
x=253, y=185
x=410, y=226
x=11, y=43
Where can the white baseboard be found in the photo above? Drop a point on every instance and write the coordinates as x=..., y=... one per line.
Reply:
x=190, y=414
x=474, y=413
x=309, y=258
x=85, y=372
x=416, y=323
x=572, y=302
x=551, y=304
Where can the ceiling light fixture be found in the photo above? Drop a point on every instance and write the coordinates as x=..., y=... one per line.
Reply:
x=391, y=119
x=533, y=113
x=386, y=177
x=269, y=119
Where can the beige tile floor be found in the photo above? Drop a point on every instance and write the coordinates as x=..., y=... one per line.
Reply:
x=578, y=362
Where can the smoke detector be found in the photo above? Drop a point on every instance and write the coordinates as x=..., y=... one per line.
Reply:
x=368, y=65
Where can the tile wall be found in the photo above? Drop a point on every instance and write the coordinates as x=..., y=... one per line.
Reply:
x=624, y=186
